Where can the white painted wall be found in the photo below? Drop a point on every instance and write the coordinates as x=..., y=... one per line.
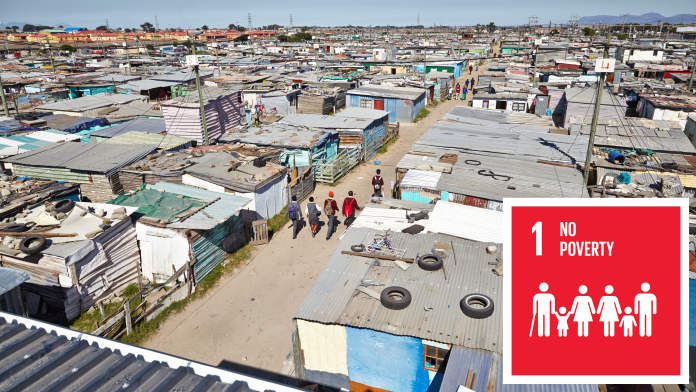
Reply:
x=324, y=346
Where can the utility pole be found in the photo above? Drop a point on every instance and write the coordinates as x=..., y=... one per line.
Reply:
x=125, y=46
x=50, y=53
x=4, y=102
x=425, y=56
x=156, y=23
x=316, y=52
x=107, y=24
x=217, y=56
x=691, y=80
x=623, y=22
x=200, y=100
x=595, y=117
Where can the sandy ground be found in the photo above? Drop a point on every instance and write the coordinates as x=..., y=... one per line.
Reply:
x=245, y=323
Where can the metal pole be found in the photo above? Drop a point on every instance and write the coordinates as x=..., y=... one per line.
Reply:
x=217, y=57
x=200, y=99
x=595, y=117
x=425, y=57
x=50, y=53
x=693, y=67
x=4, y=102
x=127, y=56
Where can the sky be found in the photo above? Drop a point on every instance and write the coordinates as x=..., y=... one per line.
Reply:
x=220, y=13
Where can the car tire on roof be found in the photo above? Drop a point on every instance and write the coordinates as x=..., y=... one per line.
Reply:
x=32, y=244
x=395, y=298
x=430, y=262
x=358, y=248
x=16, y=228
x=478, y=313
x=64, y=206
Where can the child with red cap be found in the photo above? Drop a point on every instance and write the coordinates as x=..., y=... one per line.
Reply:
x=330, y=209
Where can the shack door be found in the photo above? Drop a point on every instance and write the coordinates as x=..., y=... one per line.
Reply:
x=257, y=232
x=379, y=104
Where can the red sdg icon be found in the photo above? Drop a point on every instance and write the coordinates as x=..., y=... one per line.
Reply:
x=596, y=291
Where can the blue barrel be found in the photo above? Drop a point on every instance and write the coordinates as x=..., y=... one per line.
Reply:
x=617, y=157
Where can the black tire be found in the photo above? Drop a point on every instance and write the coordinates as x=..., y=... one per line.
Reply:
x=395, y=303
x=32, y=244
x=64, y=206
x=430, y=265
x=358, y=248
x=477, y=313
x=16, y=228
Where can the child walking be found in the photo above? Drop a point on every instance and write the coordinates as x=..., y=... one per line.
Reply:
x=628, y=322
x=562, y=321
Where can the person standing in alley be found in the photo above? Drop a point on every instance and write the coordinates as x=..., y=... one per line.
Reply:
x=472, y=83
x=466, y=90
x=330, y=209
x=312, y=211
x=294, y=212
x=377, y=184
x=457, y=92
x=466, y=83
x=350, y=205
x=471, y=68
x=450, y=93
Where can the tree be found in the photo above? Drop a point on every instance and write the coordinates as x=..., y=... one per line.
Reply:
x=304, y=28
x=233, y=26
x=589, y=32
x=15, y=28
x=175, y=43
x=67, y=48
x=127, y=30
x=283, y=38
x=554, y=32
x=150, y=47
x=204, y=28
x=242, y=38
x=148, y=27
x=101, y=28
x=491, y=27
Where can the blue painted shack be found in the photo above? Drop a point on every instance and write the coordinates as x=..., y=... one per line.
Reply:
x=345, y=338
x=402, y=103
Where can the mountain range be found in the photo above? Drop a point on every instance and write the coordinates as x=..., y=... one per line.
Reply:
x=651, y=17
x=9, y=25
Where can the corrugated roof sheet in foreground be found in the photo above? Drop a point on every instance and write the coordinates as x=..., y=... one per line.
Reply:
x=332, y=298
x=220, y=211
x=151, y=125
x=39, y=356
x=473, y=223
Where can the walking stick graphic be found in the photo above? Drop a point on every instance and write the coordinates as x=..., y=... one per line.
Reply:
x=532, y=327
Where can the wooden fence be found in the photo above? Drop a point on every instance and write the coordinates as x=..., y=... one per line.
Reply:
x=331, y=170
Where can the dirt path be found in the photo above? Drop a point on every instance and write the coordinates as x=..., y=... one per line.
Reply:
x=245, y=323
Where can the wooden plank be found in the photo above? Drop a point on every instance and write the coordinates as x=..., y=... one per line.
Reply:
x=467, y=383
x=129, y=321
x=47, y=235
x=109, y=323
x=371, y=256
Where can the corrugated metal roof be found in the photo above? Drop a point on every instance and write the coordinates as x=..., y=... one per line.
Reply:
x=421, y=179
x=147, y=84
x=383, y=219
x=473, y=223
x=333, y=299
x=388, y=92
x=329, y=122
x=151, y=125
x=220, y=211
x=11, y=278
x=53, y=136
x=99, y=158
x=89, y=102
x=166, y=142
x=278, y=135
x=116, y=78
x=371, y=114
x=39, y=356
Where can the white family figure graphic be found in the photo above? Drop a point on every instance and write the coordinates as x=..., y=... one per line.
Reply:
x=609, y=309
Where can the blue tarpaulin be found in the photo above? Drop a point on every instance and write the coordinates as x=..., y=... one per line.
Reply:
x=72, y=124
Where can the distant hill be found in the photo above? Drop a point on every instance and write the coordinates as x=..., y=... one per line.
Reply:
x=651, y=17
x=9, y=25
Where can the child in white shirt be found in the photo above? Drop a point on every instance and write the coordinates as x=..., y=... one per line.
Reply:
x=562, y=322
x=628, y=322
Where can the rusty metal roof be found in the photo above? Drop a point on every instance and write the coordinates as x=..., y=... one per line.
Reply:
x=334, y=299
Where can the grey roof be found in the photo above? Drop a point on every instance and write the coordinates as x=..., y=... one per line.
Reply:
x=502, y=119
x=90, y=102
x=277, y=135
x=11, y=278
x=181, y=76
x=370, y=114
x=209, y=94
x=527, y=179
x=151, y=125
x=147, y=84
x=215, y=168
x=521, y=145
x=503, y=95
x=587, y=95
x=99, y=158
x=333, y=300
x=656, y=135
x=33, y=358
x=116, y=78
x=327, y=122
x=388, y=92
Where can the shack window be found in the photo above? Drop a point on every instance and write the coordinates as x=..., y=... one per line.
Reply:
x=518, y=107
x=366, y=103
x=632, y=52
x=655, y=52
x=435, y=358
